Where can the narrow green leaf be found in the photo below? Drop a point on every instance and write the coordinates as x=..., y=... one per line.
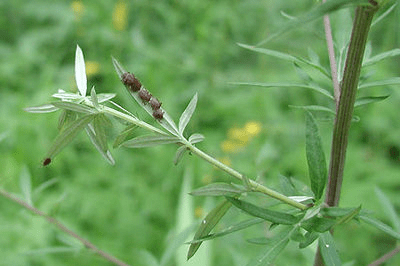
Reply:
x=104, y=97
x=381, y=56
x=328, y=250
x=68, y=96
x=149, y=141
x=268, y=215
x=315, y=157
x=380, y=226
x=348, y=217
x=288, y=85
x=297, y=235
x=378, y=83
x=273, y=249
x=338, y=212
x=94, y=98
x=208, y=223
x=309, y=238
x=314, y=108
x=195, y=138
x=179, y=154
x=65, y=118
x=68, y=134
x=26, y=185
x=229, y=230
x=318, y=224
x=80, y=108
x=126, y=133
x=118, y=67
x=218, y=189
x=45, y=108
x=367, y=100
x=187, y=114
x=80, y=72
x=317, y=12
x=388, y=208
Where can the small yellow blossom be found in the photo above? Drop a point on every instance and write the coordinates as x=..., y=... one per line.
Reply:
x=238, y=134
x=120, y=16
x=92, y=68
x=78, y=8
x=199, y=212
x=231, y=146
x=253, y=128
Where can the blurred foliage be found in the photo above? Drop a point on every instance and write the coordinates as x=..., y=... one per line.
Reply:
x=176, y=48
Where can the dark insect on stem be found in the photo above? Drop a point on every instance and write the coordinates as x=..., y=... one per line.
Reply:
x=46, y=161
x=129, y=80
x=158, y=114
x=144, y=95
x=155, y=104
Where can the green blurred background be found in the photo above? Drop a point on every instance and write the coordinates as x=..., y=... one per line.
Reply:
x=136, y=208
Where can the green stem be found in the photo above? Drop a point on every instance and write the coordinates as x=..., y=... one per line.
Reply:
x=254, y=185
x=344, y=111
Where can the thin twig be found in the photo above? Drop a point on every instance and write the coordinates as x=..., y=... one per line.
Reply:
x=385, y=257
x=63, y=228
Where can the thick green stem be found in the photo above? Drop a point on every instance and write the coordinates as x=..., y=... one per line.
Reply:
x=344, y=111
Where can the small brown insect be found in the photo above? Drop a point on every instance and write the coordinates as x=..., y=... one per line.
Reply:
x=129, y=80
x=46, y=161
x=155, y=104
x=158, y=114
x=144, y=95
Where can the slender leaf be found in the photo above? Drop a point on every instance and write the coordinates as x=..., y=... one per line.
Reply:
x=309, y=238
x=195, y=138
x=80, y=108
x=124, y=135
x=268, y=215
x=378, y=83
x=68, y=96
x=66, y=117
x=45, y=108
x=94, y=98
x=328, y=250
x=388, y=208
x=297, y=235
x=68, y=134
x=273, y=249
x=337, y=212
x=179, y=154
x=380, y=226
x=104, y=97
x=315, y=157
x=229, y=230
x=187, y=114
x=348, y=217
x=218, y=189
x=314, y=108
x=382, y=56
x=367, y=100
x=288, y=85
x=383, y=15
x=80, y=72
x=317, y=12
x=208, y=223
x=318, y=224
x=149, y=141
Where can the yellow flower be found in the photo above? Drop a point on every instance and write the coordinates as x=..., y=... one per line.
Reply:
x=199, y=212
x=238, y=134
x=120, y=16
x=252, y=128
x=92, y=68
x=78, y=8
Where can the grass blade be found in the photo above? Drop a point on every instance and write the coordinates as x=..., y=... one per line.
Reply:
x=208, y=223
x=315, y=157
x=187, y=114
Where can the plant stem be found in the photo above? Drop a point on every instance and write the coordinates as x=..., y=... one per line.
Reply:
x=254, y=185
x=344, y=110
x=62, y=227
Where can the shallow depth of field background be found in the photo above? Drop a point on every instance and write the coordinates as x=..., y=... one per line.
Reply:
x=176, y=48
